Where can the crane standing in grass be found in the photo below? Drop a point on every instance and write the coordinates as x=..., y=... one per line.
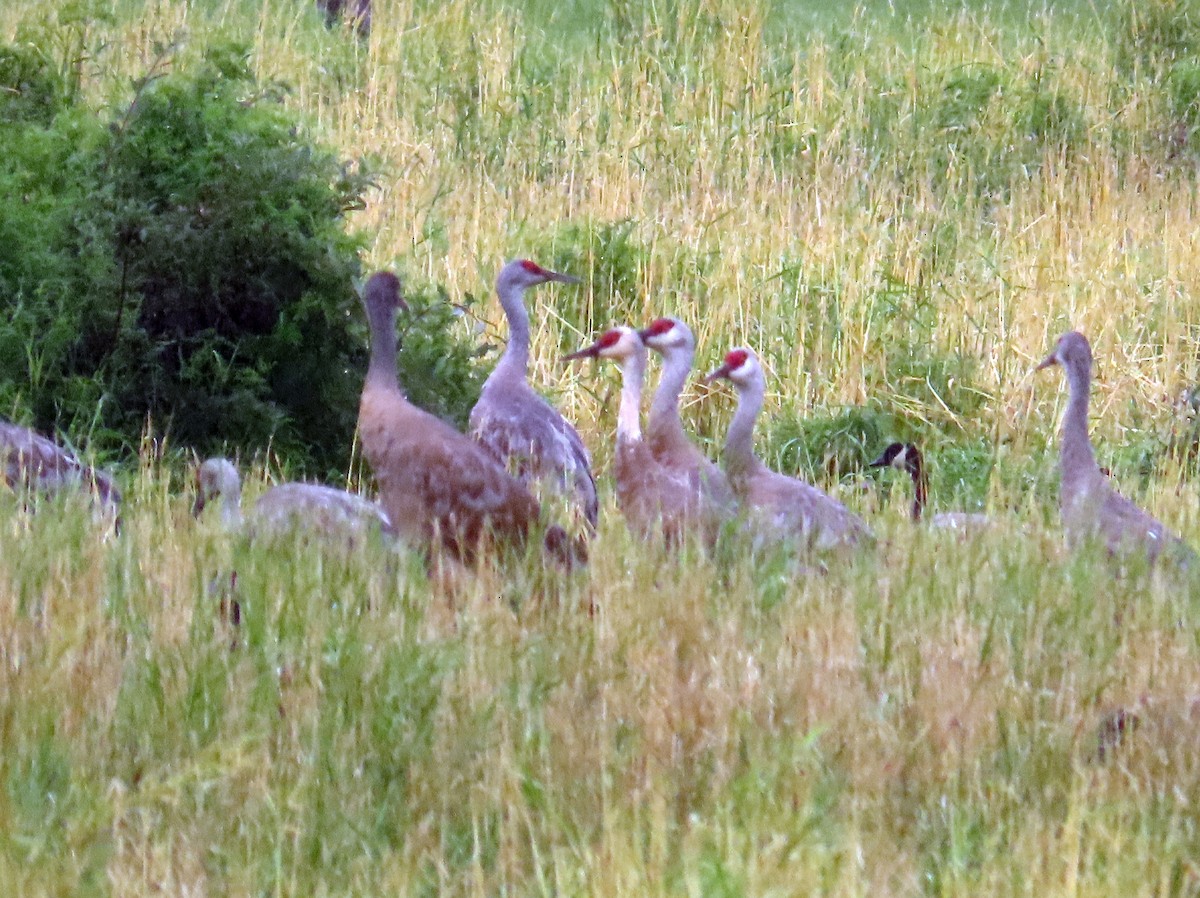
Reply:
x=778, y=507
x=312, y=507
x=516, y=425
x=673, y=340
x=1091, y=508
x=440, y=489
x=657, y=501
x=34, y=464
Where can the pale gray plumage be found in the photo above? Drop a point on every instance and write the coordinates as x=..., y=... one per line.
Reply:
x=673, y=340
x=777, y=506
x=1090, y=507
x=515, y=424
x=35, y=464
x=332, y=513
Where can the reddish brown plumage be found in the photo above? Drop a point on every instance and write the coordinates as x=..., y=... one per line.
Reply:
x=656, y=501
x=438, y=487
x=664, y=427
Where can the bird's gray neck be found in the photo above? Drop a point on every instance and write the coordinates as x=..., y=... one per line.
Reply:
x=1076, y=457
x=739, y=441
x=381, y=373
x=515, y=361
x=664, y=421
x=231, y=510
x=633, y=375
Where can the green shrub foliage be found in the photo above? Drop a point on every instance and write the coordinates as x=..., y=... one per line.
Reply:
x=185, y=264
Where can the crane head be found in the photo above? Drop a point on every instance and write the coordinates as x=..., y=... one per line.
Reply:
x=1071, y=351
x=616, y=343
x=522, y=273
x=383, y=289
x=739, y=367
x=667, y=333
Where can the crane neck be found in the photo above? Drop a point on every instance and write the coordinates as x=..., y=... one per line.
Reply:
x=514, y=362
x=664, y=421
x=739, y=454
x=381, y=372
x=629, y=413
x=231, y=510
x=1076, y=458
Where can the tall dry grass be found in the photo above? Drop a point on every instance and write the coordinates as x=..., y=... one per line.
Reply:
x=924, y=719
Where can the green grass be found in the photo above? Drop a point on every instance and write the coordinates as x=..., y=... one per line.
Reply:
x=900, y=210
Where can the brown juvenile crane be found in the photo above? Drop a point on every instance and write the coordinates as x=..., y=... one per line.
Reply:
x=673, y=340
x=776, y=506
x=517, y=425
x=440, y=488
x=1091, y=508
x=655, y=500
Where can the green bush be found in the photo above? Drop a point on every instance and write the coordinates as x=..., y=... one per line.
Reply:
x=819, y=447
x=184, y=264
x=611, y=260
x=439, y=369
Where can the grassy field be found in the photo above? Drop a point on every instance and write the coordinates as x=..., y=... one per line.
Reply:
x=900, y=207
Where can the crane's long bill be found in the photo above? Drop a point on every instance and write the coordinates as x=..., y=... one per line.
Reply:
x=588, y=352
x=723, y=371
x=560, y=277
x=1049, y=360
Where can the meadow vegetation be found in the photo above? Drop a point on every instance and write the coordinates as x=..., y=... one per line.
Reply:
x=900, y=214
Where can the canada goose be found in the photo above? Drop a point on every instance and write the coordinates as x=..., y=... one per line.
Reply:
x=655, y=500
x=1090, y=507
x=673, y=340
x=907, y=457
x=320, y=509
x=517, y=425
x=440, y=488
x=782, y=506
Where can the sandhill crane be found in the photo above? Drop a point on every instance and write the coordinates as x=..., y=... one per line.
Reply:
x=672, y=339
x=776, y=505
x=332, y=514
x=515, y=424
x=907, y=457
x=438, y=487
x=655, y=500
x=311, y=507
x=1091, y=508
x=34, y=464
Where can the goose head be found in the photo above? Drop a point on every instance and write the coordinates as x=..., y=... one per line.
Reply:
x=382, y=293
x=902, y=456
